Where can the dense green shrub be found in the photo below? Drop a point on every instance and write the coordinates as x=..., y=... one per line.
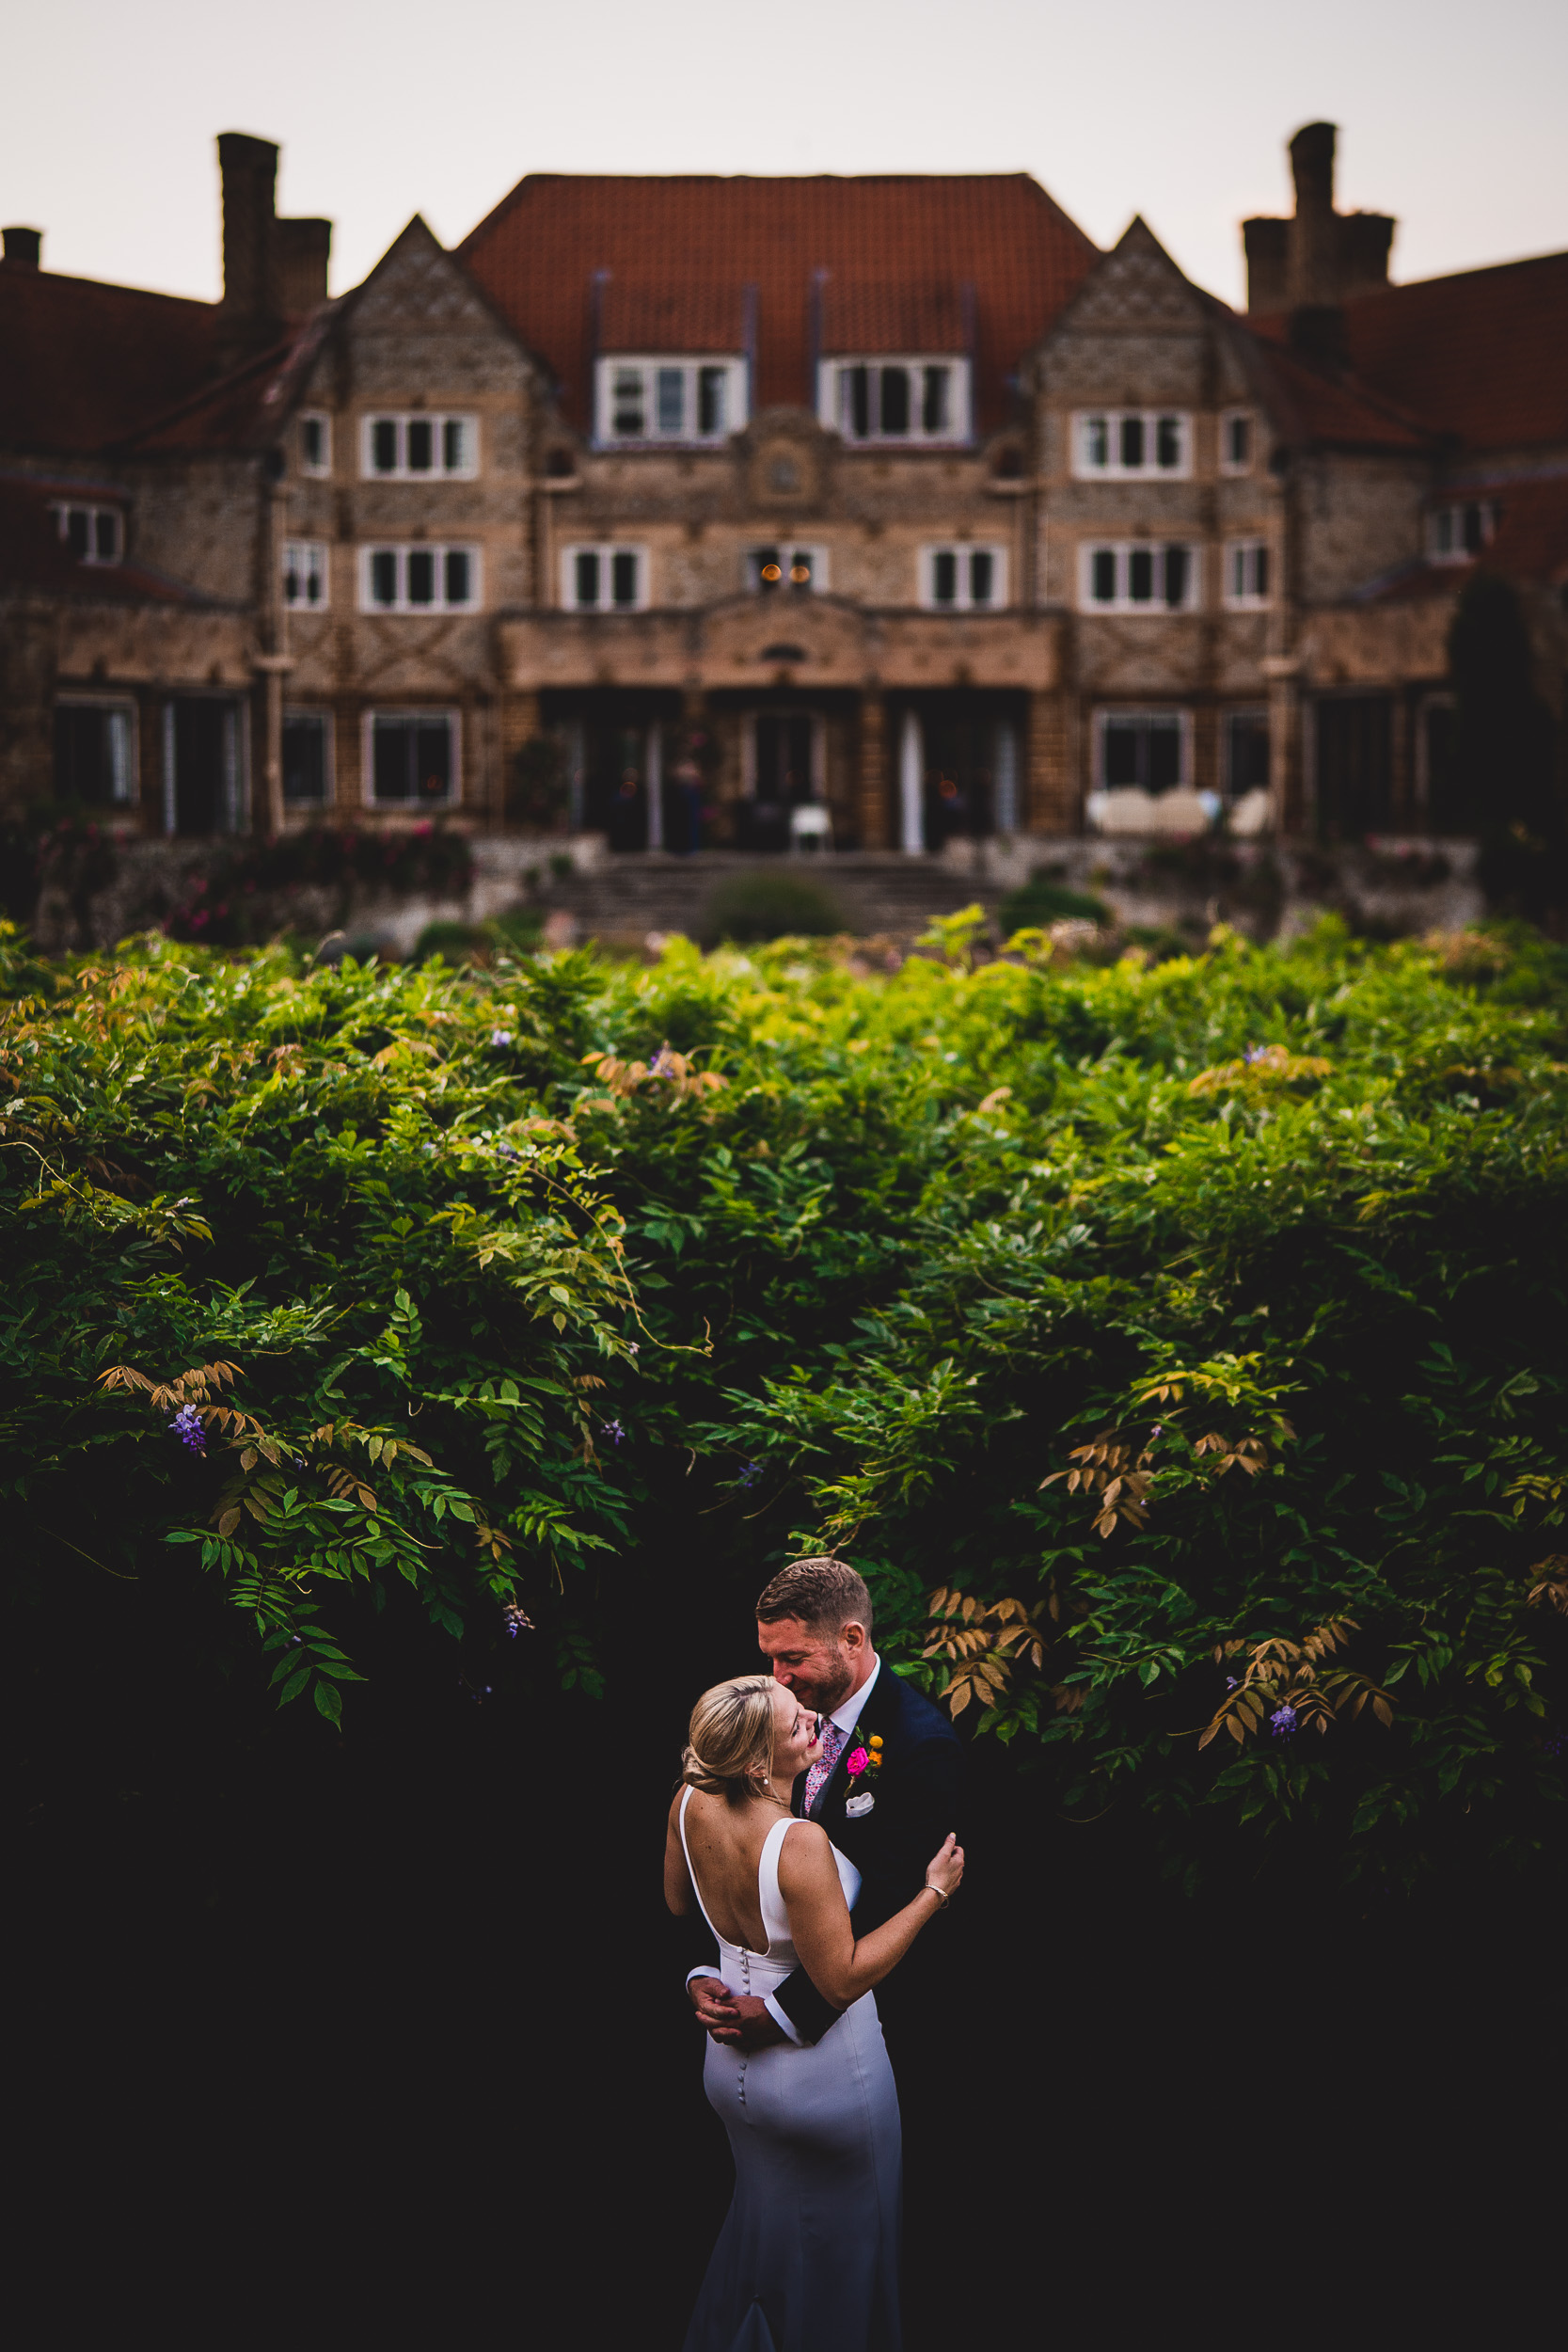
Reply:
x=770, y=905
x=1039, y=903
x=512, y=933
x=1192, y=1324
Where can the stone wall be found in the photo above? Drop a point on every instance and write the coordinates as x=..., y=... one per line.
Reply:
x=1178, y=889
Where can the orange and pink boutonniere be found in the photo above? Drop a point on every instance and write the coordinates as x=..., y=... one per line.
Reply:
x=862, y=1767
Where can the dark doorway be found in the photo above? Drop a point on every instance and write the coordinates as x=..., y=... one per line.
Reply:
x=207, y=796
x=960, y=744
x=1247, y=753
x=783, y=778
x=615, y=759
x=1355, y=765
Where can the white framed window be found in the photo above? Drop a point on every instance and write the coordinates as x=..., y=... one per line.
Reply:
x=95, y=751
x=412, y=758
x=1149, y=749
x=1138, y=576
x=419, y=446
x=94, y=534
x=901, y=401
x=963, y=578
x=642, y=398
x=420, y=578
x=604, y=578
x=305, y=575
x=1246, y=574
x=316, y=443
x=1237, y=435
x=307, y=758
x=1132, y=444
x=791, y=567
x=1457, y=533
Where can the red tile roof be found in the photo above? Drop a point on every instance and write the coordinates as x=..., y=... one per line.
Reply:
x=1482, y=355
x=243, y=410
x=1318, y=404
x=83, y=364
x=899, y=252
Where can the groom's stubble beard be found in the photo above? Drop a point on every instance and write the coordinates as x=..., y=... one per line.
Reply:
x=824, y=1696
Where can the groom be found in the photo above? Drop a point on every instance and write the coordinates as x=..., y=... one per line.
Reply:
x=889, y=1814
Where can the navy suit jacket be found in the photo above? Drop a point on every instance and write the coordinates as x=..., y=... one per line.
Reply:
x=915, y=1795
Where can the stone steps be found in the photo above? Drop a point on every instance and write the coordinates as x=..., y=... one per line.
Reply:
x=628, y=898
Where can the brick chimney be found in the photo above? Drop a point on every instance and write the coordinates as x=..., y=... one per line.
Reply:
x=1267, y=247
x=1313, y=273
x=1311, y=264
x=23, y=247
x=274, y=271
x=305, y=247
x=252, y=290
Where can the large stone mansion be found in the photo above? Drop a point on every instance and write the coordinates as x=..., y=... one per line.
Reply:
x=717, y=508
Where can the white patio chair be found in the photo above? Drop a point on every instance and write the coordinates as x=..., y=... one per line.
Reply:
x=811, y=828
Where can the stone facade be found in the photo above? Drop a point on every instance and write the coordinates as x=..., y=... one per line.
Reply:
x=1168, y=563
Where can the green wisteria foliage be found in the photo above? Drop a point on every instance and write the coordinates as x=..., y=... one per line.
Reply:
x=1178, y=1347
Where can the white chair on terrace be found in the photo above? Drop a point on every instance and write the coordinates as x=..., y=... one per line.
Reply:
x=811, y=828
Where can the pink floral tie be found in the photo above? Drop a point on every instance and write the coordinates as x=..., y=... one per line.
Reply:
x=833, y=1748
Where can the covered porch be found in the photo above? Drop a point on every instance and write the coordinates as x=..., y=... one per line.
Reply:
x=762, y=728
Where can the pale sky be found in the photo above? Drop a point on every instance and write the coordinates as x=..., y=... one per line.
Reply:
x=1452, y=115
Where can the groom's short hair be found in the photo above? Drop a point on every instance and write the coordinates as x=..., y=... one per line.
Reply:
x=824, y=1594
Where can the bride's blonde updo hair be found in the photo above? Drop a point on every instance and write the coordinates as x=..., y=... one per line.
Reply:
x=729, y=1750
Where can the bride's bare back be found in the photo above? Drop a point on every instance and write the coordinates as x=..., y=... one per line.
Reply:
x=725, y=1843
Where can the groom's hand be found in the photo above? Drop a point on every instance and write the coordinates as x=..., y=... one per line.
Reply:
x=736, y=2019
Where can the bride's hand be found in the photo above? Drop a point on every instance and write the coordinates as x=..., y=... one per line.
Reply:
x=947, y=1871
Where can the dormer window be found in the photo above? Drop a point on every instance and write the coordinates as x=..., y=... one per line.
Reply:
x=691, y=401
x=1456, y=534
x=1132, y=444
x=92, y=533
x=902, y=401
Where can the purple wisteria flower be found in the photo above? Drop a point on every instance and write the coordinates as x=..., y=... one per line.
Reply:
x=506, y=1151
x=517, y=1620
x=1233, y=1682
x=749, y=1474
x=501, y=1037
x=187, y=1427
x=1255, y=1053
x=1284, y=1721
x=661, y=1065
x=613, y=1431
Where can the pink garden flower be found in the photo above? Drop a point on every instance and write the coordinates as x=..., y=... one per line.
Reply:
x=857, y=1764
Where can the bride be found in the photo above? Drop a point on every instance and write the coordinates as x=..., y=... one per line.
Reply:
x=809, y=2251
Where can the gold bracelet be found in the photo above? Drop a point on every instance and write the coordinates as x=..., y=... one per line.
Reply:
x=937, y=1892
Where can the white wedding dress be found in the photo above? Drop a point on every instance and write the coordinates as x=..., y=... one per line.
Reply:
x=808, y=2255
